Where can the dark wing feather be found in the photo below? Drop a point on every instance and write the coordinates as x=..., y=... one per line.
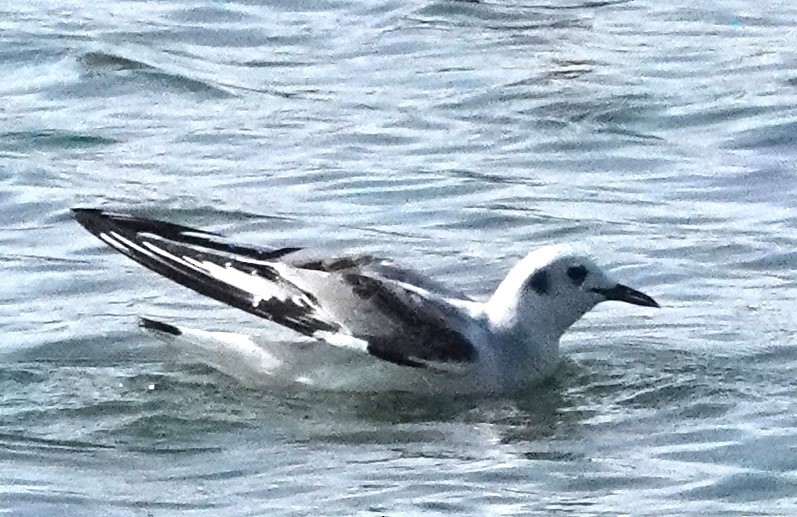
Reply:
x=190, y=257
x=96, y=221
x=379, y=268
x=427, y=334
x=387, y=307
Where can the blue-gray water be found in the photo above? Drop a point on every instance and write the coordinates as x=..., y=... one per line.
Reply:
x=453, y=136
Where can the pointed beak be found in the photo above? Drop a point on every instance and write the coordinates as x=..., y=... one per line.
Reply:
x=623, y=293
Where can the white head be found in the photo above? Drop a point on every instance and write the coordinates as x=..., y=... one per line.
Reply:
x=552, y=288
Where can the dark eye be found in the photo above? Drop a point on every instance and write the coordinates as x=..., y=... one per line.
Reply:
x=577, y=274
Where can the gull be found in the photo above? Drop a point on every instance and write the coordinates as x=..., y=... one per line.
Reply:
x=375, y=326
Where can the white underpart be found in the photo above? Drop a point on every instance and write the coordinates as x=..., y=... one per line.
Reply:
x=232, y=354
x=342, y=340
x=317, y=365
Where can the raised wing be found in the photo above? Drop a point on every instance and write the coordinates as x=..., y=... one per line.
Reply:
x=360, y=302
x=240, y=276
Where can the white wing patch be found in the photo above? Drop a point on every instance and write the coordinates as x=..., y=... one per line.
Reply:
x=260, y=288
x=165, y=254
x=123, y=244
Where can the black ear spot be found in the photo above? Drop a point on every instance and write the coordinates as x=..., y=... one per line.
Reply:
x=539, y=282
x=577, y=274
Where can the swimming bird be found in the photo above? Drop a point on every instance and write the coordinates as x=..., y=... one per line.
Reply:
x=378, y=326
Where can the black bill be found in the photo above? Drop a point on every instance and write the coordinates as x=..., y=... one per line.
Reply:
x=623, y=293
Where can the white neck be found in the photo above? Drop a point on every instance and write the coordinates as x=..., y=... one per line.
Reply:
x=530, y=324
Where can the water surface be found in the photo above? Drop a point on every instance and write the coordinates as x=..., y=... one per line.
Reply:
x=454, y=137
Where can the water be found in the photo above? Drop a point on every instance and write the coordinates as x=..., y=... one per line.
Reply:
x=453, y=136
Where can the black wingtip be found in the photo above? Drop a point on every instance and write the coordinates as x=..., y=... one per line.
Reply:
x=158, y=326
x=78, y=212
x=84, y=215
x=97, y=220
x=94, y=220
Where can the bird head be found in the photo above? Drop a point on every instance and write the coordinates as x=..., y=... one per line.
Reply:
x=553, y=287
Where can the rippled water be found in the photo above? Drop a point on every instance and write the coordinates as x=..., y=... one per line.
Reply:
x=453, y=136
